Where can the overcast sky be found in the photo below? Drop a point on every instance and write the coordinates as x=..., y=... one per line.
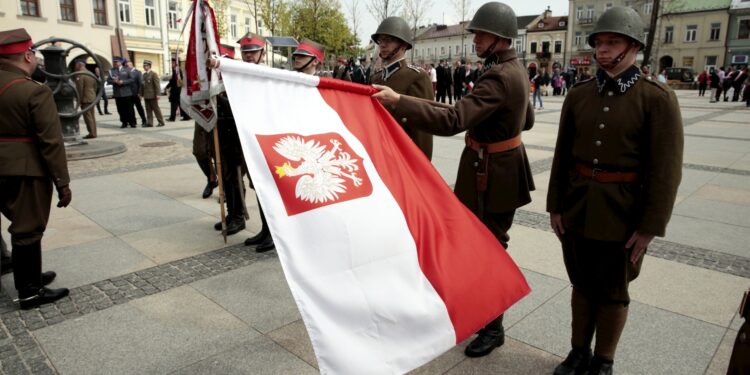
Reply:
x=443, y=11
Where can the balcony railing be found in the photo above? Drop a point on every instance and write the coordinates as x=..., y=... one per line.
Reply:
x=586, y=20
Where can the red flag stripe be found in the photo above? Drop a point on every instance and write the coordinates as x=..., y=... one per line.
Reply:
x=454, y=252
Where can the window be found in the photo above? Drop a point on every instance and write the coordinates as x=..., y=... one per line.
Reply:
x=628, y=3
x=150, y=13
x=545, y=46
x=68, y=10
x=690, y=33
x=442, y=51
x=533, y=47
x=558, y=46
x=668, y=34
x=580, y=14
x=172, y=15
x=247, y=25
x=30, y=8
x=579, y=39
x=540, y=25
x=743, y=31
x=645, y=36
x=472, y=48
x=715, y=31
x=233, y=26
x=519, y=46
x=687, y=61
x=561, y=24
x=711, y=60
x=590, y=13
x=607, y=6
x=100, y=12
x=458, y=48
x=260, y=27
x=123, y=9
x=648, y=7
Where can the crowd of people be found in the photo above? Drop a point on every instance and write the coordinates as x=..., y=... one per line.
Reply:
x=731, y=82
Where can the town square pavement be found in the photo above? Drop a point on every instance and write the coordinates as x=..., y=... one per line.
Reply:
x=155, y=290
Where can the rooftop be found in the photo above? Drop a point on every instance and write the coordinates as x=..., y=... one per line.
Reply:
x=690, y=6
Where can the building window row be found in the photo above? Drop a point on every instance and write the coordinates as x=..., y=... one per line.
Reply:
x=30, y=8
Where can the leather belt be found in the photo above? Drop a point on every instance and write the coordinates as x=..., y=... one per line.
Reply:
x=21, y=139
x=492, y=148
x=600, y=175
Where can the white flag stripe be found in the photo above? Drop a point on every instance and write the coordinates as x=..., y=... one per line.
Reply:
x=352, y=266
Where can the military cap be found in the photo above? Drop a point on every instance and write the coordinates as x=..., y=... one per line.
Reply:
x=14, y=41
x=226, y=50
x=147, y=62
x=495, y=18
x=251, y=42
x=79, y=61
x=118, y=59
x=395, y=27
x=307, y=47
x=620, y=20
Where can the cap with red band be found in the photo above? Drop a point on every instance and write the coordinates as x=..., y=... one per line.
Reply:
x=307, y=47
x=251, y=42
x=15, y=41
x=226, y=50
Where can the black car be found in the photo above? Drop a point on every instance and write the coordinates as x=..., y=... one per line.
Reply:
x=680, y=74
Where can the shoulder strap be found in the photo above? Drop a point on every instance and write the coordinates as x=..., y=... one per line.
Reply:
x=11, y=83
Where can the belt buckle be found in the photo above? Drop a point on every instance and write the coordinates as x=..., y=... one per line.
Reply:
x=594, y=172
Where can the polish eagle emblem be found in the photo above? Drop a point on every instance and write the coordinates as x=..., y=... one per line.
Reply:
x=323, y=172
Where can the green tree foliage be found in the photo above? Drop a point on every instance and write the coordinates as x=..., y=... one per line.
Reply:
x=220, y=11
x=276, y=15
x=323, y=22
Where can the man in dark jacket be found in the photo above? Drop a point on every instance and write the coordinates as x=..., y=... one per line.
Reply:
x=175, y=88
x=122, y=87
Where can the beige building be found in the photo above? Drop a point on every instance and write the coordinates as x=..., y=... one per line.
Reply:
x=90, y=23
x=693, y=34
x=545, y=41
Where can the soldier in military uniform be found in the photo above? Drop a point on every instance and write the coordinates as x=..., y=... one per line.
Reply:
x=150, y=93
x=494, y=177
x=32, y=159
x=121, y=80
x=614, y=179
x=393, y=38
x=342, y=71
x=308, y=56
x=87, y=94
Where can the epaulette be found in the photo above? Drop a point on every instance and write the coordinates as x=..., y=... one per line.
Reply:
x=32, y=80
x=416, y=68
x=663, y=86
x=584, y=81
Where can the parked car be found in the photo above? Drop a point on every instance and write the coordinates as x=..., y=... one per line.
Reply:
x=680, y=74
x=163, y=84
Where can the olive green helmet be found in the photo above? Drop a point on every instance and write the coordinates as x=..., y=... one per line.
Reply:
x=620, y=20
x=495, y=18
x=395, y=27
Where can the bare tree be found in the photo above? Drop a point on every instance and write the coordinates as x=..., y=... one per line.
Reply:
x=462, y=8
x=382, y=9
x=353, y=8
x=414, y=11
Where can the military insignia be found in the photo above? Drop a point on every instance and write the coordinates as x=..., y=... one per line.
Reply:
x=416, y=68
x=623, y=83
x=314, y=171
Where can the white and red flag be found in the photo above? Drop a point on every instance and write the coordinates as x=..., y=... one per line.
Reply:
x=387, y=267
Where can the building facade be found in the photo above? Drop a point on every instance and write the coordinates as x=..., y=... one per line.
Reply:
x=693, y=34
x=738, y=37
x=545, y=41
x=444, y=42
x=90, y=23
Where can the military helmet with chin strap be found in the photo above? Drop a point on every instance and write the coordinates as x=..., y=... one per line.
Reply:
x=620, y=20
x=395, y=27
x=495, y=18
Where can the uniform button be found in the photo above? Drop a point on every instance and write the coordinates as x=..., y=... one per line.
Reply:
x=605, y=109
x=403, y=119
x=610, y=93
x=596, y=161
x=598, y=143
x=601, y=126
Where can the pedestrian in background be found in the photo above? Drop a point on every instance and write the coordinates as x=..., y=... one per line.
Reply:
x=459, y=74
x=150, y=93
x=137, y=88
x=103, y=98
x=175, y=88
x=702, y=83
x=121, y=81
x=87, y=94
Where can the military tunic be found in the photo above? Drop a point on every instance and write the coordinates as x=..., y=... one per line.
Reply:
x=497, y=109
x=87, y=94
x=32, y=154
x=408, y=80
x=150, y=93
x=626, y=124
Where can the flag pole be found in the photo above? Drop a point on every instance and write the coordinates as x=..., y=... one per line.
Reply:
x=217, y=154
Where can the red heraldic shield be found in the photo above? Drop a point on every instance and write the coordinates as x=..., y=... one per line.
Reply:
x=313, y=171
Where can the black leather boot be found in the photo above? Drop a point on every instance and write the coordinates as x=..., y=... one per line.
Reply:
x=577, y=362
x=28, y=277
x=30, y=298
x=205, y=166
x=490, y=337
x=600, y=366
x=264, y=233
x=266, y=245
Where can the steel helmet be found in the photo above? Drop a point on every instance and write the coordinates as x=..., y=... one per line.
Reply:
x=620, y=20
x=395, y=27
x=495, y=18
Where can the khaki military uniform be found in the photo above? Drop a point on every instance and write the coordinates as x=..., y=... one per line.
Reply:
x=150, y=93
x=408, y=80
x=342, y=73
x=32, y=154
x=497, y=110
x=86, y=87
x=628, y=125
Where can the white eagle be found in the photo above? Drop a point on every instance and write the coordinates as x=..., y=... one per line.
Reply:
x=322, y=171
